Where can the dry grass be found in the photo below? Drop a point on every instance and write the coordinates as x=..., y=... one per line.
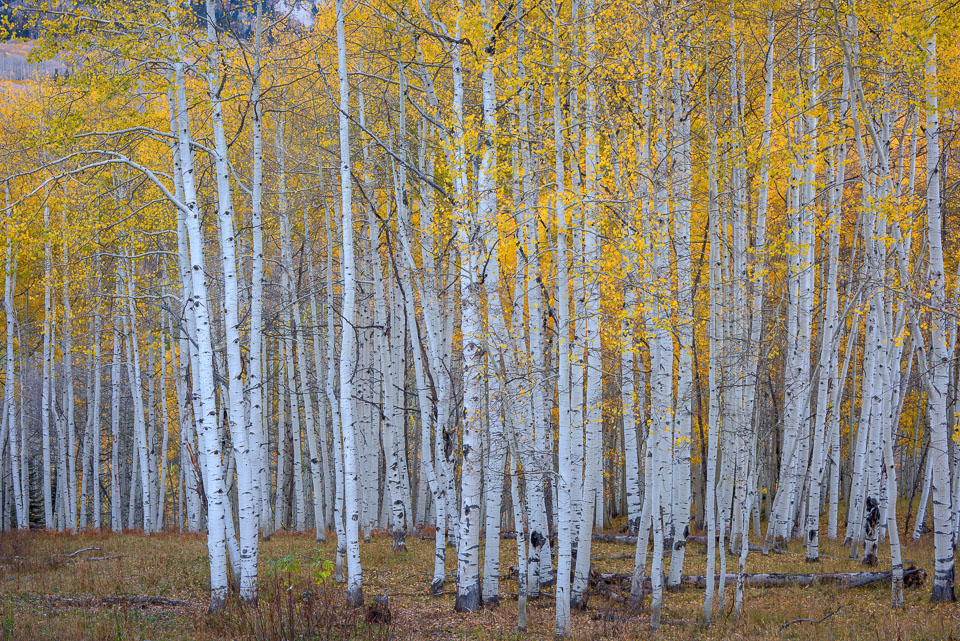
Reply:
x=34, y=585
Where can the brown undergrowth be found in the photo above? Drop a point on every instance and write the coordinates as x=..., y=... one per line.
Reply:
x=45, y=594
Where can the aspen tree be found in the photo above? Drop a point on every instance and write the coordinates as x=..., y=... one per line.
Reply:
x=94, y=404
x=256, y=440
x=348, y=346
x=536, y=304
x=385, y=365
x=936, y=390
x=237, y=425
x=9, y=395
x=69, y=451
x=318, y=448
x=837, y=171
x=289, y=394
x=125, y=274
x=86, y=447
x=685, y=332
x=313, y=447
x=204, y=387
x=827, y=357
x=498, y=349
x=46, y=381
x=592, y=479
x=577, y=274
x=116, y=521
x=334, y=401
x=188, y=353
x=716, y=351
x=661, y=340
x=566, y=472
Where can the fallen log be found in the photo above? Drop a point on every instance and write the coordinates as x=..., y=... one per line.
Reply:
x=625, y=539
x=605, y=615
x=143, y=600
x=773, y=579
x=629, y=539
x=92, y=601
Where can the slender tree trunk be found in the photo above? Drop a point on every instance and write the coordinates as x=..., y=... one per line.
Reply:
x=937, y=389
x=136, y=387
x=566, y=472
x=714, y=371
x=116, y=520
x=204, y=389
x=9, y=395
x=348, y=348
x=46, y=382
x=247, y=498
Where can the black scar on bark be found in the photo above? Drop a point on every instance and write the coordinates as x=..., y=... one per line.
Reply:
x=943, y=594
x=943, y=587
x=447, y=444
x=812, y=534
x=354, y=597
x=537, y=539
x=468, y=600
x=399, y=540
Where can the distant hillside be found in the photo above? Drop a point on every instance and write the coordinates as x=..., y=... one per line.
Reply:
x=14, y=65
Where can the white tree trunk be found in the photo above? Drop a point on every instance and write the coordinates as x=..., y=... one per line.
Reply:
x=566, y=477
x=716, y=346
x=348, y=347
x=69, y=398
x=247, y=499
x=116, y=518
x=685, y=332
x=94, y=425
x=937, y=389
x=593, y=423
x=9, y=389
x=136, y=387
x=46, y=382
x=204, y=389
x=256, y=440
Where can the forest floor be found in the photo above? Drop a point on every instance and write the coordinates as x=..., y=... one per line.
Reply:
x=46, y=596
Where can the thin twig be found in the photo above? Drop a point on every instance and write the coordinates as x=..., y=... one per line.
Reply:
x=73, y=554
x=813, y=621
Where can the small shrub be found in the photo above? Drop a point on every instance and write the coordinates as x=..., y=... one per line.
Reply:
x=297, y=603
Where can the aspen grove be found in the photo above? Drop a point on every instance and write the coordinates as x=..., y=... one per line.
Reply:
x=496, y=273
